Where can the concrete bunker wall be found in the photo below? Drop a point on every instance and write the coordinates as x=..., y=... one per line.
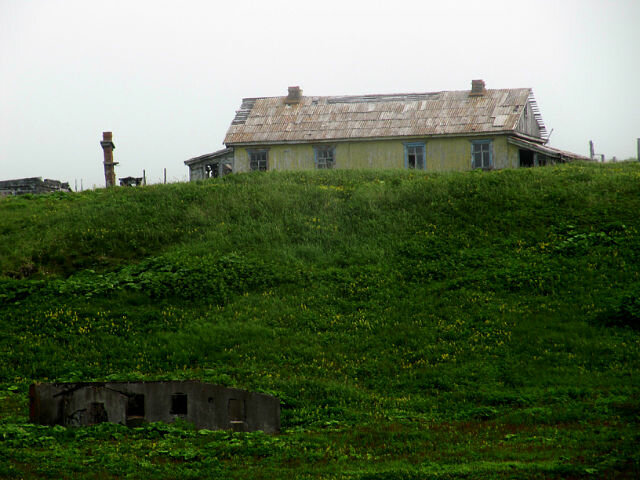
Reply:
x=130, y=403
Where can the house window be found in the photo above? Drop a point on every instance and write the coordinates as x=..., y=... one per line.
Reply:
x=258, y=160
x=178, y=404
x=481, y=154
x=414, y=155
x=325, y=156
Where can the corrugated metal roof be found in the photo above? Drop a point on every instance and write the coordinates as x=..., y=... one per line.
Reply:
x=270, y=120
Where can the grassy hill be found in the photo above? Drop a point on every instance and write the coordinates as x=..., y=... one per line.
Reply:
x=467, y=325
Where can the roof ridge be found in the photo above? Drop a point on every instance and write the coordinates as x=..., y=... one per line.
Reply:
x=244, y=99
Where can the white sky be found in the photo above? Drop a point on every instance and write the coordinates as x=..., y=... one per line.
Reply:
x=167, y=76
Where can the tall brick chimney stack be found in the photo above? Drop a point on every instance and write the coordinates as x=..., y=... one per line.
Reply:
x=108, y=147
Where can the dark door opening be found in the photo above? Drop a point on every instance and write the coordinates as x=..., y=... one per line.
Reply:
x=135, y=409
x=526, y=158
x=179, y=404
x=235, y=410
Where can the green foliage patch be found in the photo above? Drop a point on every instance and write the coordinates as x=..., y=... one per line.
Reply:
x=460, y=325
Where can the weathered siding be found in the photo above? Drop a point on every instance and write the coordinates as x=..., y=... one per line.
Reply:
x=528, y=123
x=442, y=154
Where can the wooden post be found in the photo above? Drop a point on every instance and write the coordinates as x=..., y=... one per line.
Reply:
x=144, y=177
x=638, y=158
x=165, y=175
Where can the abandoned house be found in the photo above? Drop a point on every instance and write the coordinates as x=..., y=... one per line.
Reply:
x=449, y=130
x=131, y=403
x=33, y=185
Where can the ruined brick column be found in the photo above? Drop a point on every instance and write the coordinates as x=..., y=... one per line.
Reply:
x=109, y=171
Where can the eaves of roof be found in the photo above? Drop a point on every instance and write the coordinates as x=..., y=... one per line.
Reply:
x=209, y=156
x=546, y=150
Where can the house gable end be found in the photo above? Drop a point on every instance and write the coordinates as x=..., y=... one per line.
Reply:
x=530, y=122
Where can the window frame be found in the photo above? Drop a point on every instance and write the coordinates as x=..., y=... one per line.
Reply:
x=411, y=145
x=258, y=151
x=322, y=149
x=482, y=143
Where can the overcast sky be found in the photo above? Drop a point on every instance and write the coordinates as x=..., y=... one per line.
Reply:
x=167, y=76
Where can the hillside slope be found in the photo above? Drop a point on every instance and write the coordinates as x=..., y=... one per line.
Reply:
x=468, y=325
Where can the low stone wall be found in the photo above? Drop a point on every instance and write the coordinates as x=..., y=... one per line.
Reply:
x=32, y=185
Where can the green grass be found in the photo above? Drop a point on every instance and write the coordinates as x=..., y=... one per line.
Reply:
x=462, y=325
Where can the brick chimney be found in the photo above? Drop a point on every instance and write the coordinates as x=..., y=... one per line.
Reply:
x=108, y=147
x=477, y=88
x=294, y=97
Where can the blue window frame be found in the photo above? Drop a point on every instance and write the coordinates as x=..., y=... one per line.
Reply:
x=324, y=156
x=414, y=156
x=481, y=154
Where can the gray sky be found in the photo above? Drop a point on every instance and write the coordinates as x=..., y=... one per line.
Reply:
x=167, y=76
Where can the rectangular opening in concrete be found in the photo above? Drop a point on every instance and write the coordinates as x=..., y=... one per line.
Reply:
x=236, y=410
x=135, y=405
x=179, y=404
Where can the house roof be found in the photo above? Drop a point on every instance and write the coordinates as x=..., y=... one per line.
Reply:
x=316, y=119
x=546, y=150
x=209, y=156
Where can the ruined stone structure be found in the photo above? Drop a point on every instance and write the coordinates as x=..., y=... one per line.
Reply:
x=131, y=403
x=33, y=185
x=131, y=181
x=108, y=147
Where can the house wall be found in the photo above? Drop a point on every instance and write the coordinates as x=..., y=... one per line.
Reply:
x=442, y=154
x=197, y=170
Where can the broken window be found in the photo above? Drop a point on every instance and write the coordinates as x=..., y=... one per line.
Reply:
x=414, y=155
x=258, y=160
x=325, y=156
x=481, y=154
x=178, y=404
x=218, y=169
x=212, y=170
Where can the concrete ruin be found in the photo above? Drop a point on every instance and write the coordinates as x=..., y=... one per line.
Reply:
x=213, y=407
x=33, y=185
x=131, y=181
